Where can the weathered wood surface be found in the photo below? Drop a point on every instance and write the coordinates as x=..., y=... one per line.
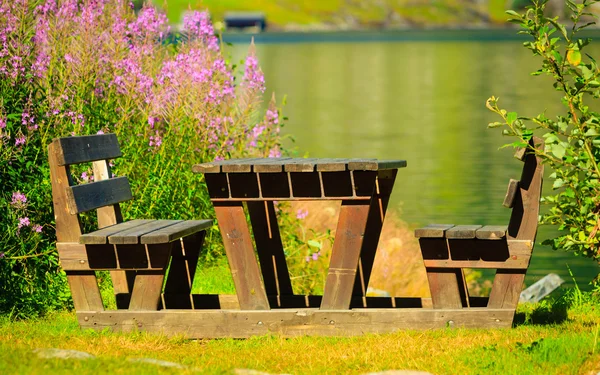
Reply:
x=101, y=236
x=462, y=231
x=345, y=253
x=173, y=232
x=86, y=197
x=506, y=289
x=240, y=253
x=511, y=193
x=448, y=288
x=433, y=231
x=184, y=260
x=132, y=236
x=81, y=149
x=267, y=165
x=491, y=232
x=292, y=322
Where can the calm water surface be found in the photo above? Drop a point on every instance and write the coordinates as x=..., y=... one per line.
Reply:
x=423, y=101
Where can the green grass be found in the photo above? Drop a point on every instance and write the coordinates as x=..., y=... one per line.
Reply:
x=559, y=337
x=282, y=13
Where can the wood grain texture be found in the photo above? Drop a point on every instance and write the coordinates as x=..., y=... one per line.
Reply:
x=84, y=290
x=462, y=231
x=448, y=288
x=345, y=253
x=433, y=231
x=86, y=197
x=506, y=289
x=520, y=262
x=101, y=236
x=491, y=232
x=511, y=193
x=292, y=322
x=240, y=253
x=81, y=149
x=176, y=231
x=147, y=288
x=184, y=260
x=132, y=236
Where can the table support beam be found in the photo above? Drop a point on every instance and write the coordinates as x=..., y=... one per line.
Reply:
x=240, y=253
x=344, y=256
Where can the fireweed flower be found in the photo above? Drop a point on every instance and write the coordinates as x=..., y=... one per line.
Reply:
x=1, y=255
x=302, y=214
x=197, y=25
x=254, y=78
x=19, y=141
x=23, y=222
x=37, y=228
x=18, y=199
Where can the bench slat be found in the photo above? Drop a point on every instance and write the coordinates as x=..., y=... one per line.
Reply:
x=462, y=231
x=270, y=165
x=176, y=231
x=300, y=165
x=511, y=193
x=86, y=197
x=132, y=236
x=491, y=232
x=374, y=164
x=433, y=231
x=82, y=149
x=99, y=237
x=332, y=165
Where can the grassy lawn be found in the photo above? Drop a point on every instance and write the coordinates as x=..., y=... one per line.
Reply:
x=551, y=338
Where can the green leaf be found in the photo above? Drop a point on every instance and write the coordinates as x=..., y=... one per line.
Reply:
x=495, y=124
x=314, y=243
x=558, y=183
x=511, y=117
x=558, y=150
x=574, y=57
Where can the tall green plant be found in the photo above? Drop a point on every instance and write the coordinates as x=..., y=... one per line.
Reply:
x=572, y=139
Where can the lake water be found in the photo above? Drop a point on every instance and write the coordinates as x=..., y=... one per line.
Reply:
x=419, y=97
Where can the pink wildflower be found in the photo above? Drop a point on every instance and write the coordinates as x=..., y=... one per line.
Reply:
x=254, y=78
x=302, y=214
x=18, y=199
x=37, y=228
x=20, y=141
x=23, y=222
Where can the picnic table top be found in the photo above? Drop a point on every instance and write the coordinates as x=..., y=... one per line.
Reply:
x=274, y=165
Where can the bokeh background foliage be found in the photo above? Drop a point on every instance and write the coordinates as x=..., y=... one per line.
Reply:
x=85, y=67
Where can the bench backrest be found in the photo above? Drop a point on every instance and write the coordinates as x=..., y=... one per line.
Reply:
x=523, y=196
x=104, y=194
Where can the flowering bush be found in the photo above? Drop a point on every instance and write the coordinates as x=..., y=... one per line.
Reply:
x=71, y=67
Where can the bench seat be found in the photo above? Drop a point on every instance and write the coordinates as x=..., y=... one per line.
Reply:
x=451, y=231
x=144, y=232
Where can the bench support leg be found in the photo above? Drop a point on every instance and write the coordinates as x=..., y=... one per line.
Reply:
x=506, y=289
x=184, y=260
x=146, y=290
x=448, y=288
x=85, y=292
x=344, y=255
x=240, y=253
x=270, y=249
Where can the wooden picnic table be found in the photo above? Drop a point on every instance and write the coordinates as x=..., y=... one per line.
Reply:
x=363, y=186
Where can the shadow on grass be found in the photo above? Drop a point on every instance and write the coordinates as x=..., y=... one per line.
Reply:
x=542, y=314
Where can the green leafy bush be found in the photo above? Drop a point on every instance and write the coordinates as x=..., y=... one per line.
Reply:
x=72, y=67
x=572, y=139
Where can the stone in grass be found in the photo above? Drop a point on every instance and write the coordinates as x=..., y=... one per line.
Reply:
x=62, y=353
x=400, y=372
x=244, y=371
x=157, y=362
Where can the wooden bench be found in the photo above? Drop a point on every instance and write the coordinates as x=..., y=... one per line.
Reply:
x=137, y=253
x=448, y=249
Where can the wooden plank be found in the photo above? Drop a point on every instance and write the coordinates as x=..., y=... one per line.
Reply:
x=100, y=236
x=81, y=149
x=269, y=165
x=86, y=197
x=511, y=193
x=462, y=231
x=239, y=165
x=292, y=322
x=273, y=266
x=212, y=167
x=132, y=236
x=84, y=290
x=147, y=288
x=176, y=231
x=240, y=253
x=332, y=165
x=506, y=289
x=433, y=231
x=374, y=164
x=300, y=165
x=515, y=262
x=448, y=288
x=345, y=253
x=491, y=232
x=520, y=153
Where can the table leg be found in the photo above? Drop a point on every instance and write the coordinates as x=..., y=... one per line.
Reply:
x=270, y=249
x=344, y=256
x=377, y=210
x=240, y=253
